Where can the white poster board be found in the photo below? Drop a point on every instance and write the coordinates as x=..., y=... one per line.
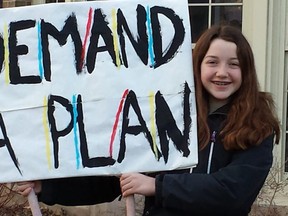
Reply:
x=96, y=88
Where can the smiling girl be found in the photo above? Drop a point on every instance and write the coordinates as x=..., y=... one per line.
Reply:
x=237, y=126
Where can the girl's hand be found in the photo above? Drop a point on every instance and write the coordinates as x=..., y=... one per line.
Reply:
x=136, y=183
x=24, y=188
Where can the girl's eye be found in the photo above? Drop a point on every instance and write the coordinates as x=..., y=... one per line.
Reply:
x=234, y=64
x=211, y=62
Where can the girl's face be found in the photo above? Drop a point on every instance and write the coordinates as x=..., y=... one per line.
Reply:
x=220, y=70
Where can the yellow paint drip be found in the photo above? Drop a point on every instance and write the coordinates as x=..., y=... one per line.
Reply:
x=115, y=37
x=6, y=54
x=152, y=120
x=46, y=132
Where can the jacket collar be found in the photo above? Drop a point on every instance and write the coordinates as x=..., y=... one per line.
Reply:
x=222, y=110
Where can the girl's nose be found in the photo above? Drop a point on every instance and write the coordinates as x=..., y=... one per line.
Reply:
x=222, y=71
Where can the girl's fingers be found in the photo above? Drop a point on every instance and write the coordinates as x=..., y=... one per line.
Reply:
x=126, y=185
x=25, y=192
x=24, y=188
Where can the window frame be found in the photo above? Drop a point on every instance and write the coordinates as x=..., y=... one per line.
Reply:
x=276, y=83
x=210, y=6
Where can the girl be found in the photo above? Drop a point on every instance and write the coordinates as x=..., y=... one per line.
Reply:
x=236, y=127
x=236, y=130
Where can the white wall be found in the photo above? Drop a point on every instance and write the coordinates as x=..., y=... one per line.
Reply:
x=255, y=18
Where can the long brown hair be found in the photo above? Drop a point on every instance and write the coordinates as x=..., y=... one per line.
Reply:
x=251, y=117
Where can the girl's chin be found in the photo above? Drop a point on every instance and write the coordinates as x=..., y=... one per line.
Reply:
x=221, y=98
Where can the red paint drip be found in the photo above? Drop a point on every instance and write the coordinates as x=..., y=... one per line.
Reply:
x=116, y=121
x=88, y=28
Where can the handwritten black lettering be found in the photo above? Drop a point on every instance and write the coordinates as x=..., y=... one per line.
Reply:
x=16, y=50
x=5, y=142
x=167, y=127
x=70, y=28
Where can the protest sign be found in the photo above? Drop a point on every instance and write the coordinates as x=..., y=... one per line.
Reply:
x=96, y=88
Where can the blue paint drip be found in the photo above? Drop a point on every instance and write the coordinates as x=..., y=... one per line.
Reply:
x=75, y=115
x=150, y=38
x=40, y=56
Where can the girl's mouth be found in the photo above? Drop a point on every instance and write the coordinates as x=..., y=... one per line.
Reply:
x=220, y=83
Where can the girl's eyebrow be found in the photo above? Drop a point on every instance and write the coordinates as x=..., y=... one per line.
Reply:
x=216, y=57
x=210, y=56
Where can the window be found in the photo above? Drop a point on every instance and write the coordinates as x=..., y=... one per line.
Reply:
x=204, y=13
x=286, y=102
x=54, y=1
x=15, y=3
x=286, y=96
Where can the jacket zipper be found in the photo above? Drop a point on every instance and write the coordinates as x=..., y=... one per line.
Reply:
x=213, y=139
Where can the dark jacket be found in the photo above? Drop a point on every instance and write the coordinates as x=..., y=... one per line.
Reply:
x=233, y=184
x=230, y=189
